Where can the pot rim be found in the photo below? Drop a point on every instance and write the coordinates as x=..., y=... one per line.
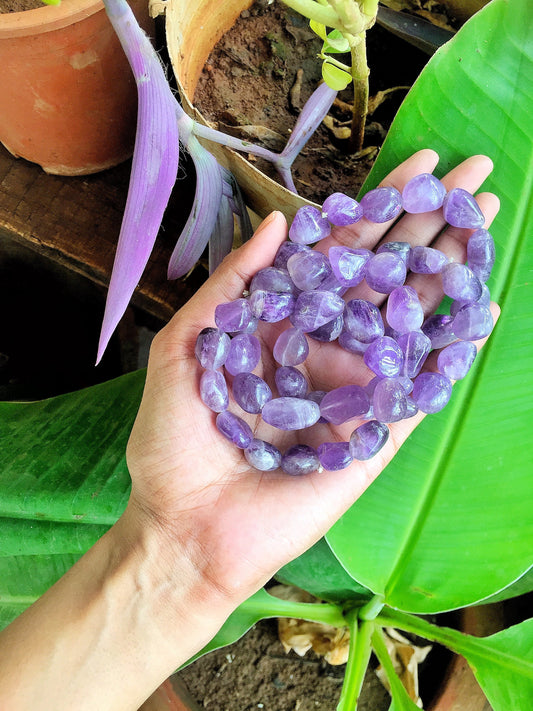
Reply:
x=47, y=18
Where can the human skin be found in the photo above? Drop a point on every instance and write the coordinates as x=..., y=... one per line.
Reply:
x=203, y=530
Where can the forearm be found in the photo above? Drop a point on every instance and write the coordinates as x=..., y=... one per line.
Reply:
x=111, y=630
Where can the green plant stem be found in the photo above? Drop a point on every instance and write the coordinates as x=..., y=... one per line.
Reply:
x=372, y=608
x=359, y=72
x=380, y=648
x=326, y=613
x=313, y=11
x=358, y=656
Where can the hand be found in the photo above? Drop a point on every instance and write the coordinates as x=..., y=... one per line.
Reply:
x=240, y=525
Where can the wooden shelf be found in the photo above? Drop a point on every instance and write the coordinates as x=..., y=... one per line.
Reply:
x=75, y=222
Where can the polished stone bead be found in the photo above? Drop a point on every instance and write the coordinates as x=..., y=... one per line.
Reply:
x=431, y=392
x=480, y=253
x=412, y=408
x=308, y=269
x=235, y=429
x=334, y=456
x=348, y=264
x=251, y=392
x=459, y=282
x=300, y=459
x=315, y=308
x=455, y=360
x=331, y=283
x=460, y=209
x=291, y=347
x=340, y=210
x=402, y=249
x=389, y=400
x=416, y=347
x=381, y=204
x=406, y=383
x=308, y=226
x=263, y=455
x=344, y=403
x=472, y=321
x=270, y=306
x=385, y=271
x=368, y=439
x=244, y=354
x=363, y=321
x=484, y=300
x=286, y=250
x=329, y=332
x=211, y=348
x=404, y=311
x=426, y=260
x=214, y=391
x=384, y=357
x=317, y=396
x=291, y=413
x=351, y=344
x=272, y=279
x=290, y=382
x=235, y=316
x=423, y=193
x=439, y=329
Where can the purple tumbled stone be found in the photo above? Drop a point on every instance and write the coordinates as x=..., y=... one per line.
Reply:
x=363, y=321
x=214, y=391
x=329, y=332
x=263, y=455
x=389, y=400
x=484, y=300
x=431, y=392
x=416, y=347
x=455, y=360
x=211, y=348
x=460, y=209
x=385, y=271
x=423, y=193
x=351, y=344
x=286, y=250
x=251, y=392
x=439, y=329
x=344, y=403
x=272, y=279
x=334, y=456
x=270, y=306
x=315, y=308
x=368, y=439
x=426, y=260
x=472, y=321
x=308, y=269
x=291, y=413
x=317, y=396
x=308, y=226
x=480, y=253
x=290, y=382
x=348, y=264
x=235, y=316
x=244, y=354
x=291, y=347
x=406, y=383
x=340, y=210
x=300, y=459
x=235, y=429
x=381, y=204
x=402, y=249
x=404, y=310
x=412, y=408
x=384, y=357
x=459, y=282
x=331, y=283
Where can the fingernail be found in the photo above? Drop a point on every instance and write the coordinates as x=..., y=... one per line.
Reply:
x=269, y=219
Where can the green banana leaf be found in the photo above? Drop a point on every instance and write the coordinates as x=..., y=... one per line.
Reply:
x=63, y=482
x=451, y=519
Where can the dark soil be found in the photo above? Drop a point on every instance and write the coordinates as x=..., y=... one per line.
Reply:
x=255, y=673
x=248, y=78
x=19, y=5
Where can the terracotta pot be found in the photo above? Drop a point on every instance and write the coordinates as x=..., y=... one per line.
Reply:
x=68, y=99
x=189, y=48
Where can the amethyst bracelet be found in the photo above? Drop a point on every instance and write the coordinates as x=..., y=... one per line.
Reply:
x=307, y=287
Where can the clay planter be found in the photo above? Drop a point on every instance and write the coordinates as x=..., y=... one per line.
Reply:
x=193, y=27
x=68, y=99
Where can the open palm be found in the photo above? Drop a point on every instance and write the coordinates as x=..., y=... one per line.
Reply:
x=242, y=525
